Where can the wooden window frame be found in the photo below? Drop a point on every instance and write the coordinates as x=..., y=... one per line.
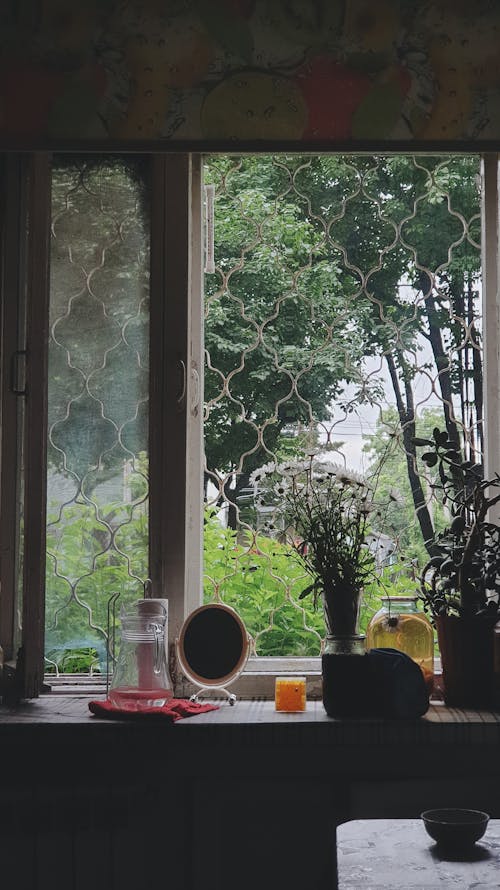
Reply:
x=175, y=390
x=176, y=387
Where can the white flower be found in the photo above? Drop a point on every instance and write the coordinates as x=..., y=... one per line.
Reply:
x=261, y=473
x=281, y=487
x=350, y=477
x=293, y=467
x=340, y=473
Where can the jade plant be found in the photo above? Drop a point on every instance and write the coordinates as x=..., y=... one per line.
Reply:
x=462, y=577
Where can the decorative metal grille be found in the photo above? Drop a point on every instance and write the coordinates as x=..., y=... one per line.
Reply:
x=97, y=519
x=343, y=317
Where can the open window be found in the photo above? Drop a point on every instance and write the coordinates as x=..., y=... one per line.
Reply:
x=352, y=302
x=349, y=312
x=101, y=269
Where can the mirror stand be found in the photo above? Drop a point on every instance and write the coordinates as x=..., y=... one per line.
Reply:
x=231, y=697
x=213, y=649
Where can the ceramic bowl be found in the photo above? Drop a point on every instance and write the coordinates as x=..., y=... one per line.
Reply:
x=455, y=828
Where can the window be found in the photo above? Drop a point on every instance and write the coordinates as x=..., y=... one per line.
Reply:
x=344, y=316
x=346, y=301
x=105, y=253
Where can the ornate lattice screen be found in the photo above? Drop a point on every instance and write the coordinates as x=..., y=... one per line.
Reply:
x=343, y=317
x=97, y=522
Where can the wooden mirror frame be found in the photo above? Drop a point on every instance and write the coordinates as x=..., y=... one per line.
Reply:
x=193, y=673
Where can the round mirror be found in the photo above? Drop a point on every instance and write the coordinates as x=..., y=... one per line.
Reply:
x=213, y=646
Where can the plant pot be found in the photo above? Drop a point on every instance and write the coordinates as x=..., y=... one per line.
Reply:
x=343, y=667
x=466, y=646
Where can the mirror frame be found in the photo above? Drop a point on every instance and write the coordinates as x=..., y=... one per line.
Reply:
x=231, y=676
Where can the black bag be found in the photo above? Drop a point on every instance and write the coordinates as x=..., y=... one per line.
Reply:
x=396, y=685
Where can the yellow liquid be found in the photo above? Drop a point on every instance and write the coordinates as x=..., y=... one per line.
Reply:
x=411, y=634
x=290, y=694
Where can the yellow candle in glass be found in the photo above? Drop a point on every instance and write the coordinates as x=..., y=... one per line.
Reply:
x=290, y=694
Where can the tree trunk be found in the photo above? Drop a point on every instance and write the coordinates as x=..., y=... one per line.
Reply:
x=407, y=418
x=231, y=496
x=443, y=368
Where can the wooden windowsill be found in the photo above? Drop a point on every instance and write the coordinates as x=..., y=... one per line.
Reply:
x=251, y=739
x=73, y=709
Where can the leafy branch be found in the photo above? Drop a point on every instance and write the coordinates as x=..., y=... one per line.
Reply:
x=463, y=577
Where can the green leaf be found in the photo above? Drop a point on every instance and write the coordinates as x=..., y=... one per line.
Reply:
x=458, y=525
x=430, y=458
x=307, y=591
x=440, y=436
x=417, y=441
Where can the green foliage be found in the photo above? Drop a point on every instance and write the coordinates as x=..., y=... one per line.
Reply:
x=262, y=579
x=84, y=660
x=326, y=513
x=306, y=320
x=92, y=554
x=280, y=295
x=463, y=577
x=388, y=461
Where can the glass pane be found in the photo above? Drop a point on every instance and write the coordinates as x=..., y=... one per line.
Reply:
x=343, y=319
x=97, y=513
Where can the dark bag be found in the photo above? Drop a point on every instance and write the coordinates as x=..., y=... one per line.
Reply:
x=396, y=685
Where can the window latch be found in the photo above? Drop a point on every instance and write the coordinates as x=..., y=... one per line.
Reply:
x=17, y=382
x=182, y=394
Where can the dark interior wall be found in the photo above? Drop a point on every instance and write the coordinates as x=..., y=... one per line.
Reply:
x=330, y=71
x=135, y=806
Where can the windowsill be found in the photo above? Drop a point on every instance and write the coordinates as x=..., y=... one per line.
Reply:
x=250, y=740
x=72, y=709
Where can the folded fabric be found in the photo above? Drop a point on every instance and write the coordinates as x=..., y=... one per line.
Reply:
x=173, y=710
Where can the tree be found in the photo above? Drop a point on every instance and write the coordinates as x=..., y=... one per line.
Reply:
x=281, y=340
x=402, y=222
x=388, y=463
x=307, y=245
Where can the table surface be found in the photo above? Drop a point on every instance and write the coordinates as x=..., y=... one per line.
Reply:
x=398, y=854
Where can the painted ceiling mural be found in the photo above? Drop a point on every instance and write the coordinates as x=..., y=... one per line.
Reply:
x=334, y=70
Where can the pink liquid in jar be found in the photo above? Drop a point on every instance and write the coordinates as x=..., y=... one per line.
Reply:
x=131, y=698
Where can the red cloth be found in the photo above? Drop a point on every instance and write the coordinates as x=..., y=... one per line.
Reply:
x=173, y=710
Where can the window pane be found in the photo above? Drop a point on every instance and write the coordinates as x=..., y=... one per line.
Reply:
x=98, y=416
x=344, y=317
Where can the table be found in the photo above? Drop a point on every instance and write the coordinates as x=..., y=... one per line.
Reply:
x=398, y=854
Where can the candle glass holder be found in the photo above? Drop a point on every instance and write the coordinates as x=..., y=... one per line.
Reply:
x=290, y=694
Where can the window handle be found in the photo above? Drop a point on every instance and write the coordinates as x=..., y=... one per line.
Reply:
x=182, y=395
x=195, y=395
x=15, y=374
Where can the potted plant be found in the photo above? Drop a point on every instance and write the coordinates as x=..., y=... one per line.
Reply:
x=326, y=513
x=460, y=583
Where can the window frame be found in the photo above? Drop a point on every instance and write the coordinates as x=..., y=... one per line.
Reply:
x=490, y=259
x=176, y=387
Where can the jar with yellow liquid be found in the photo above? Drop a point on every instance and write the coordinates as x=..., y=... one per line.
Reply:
x=399, y=624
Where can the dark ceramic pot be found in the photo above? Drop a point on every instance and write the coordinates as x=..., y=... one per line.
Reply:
x=467, y=646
